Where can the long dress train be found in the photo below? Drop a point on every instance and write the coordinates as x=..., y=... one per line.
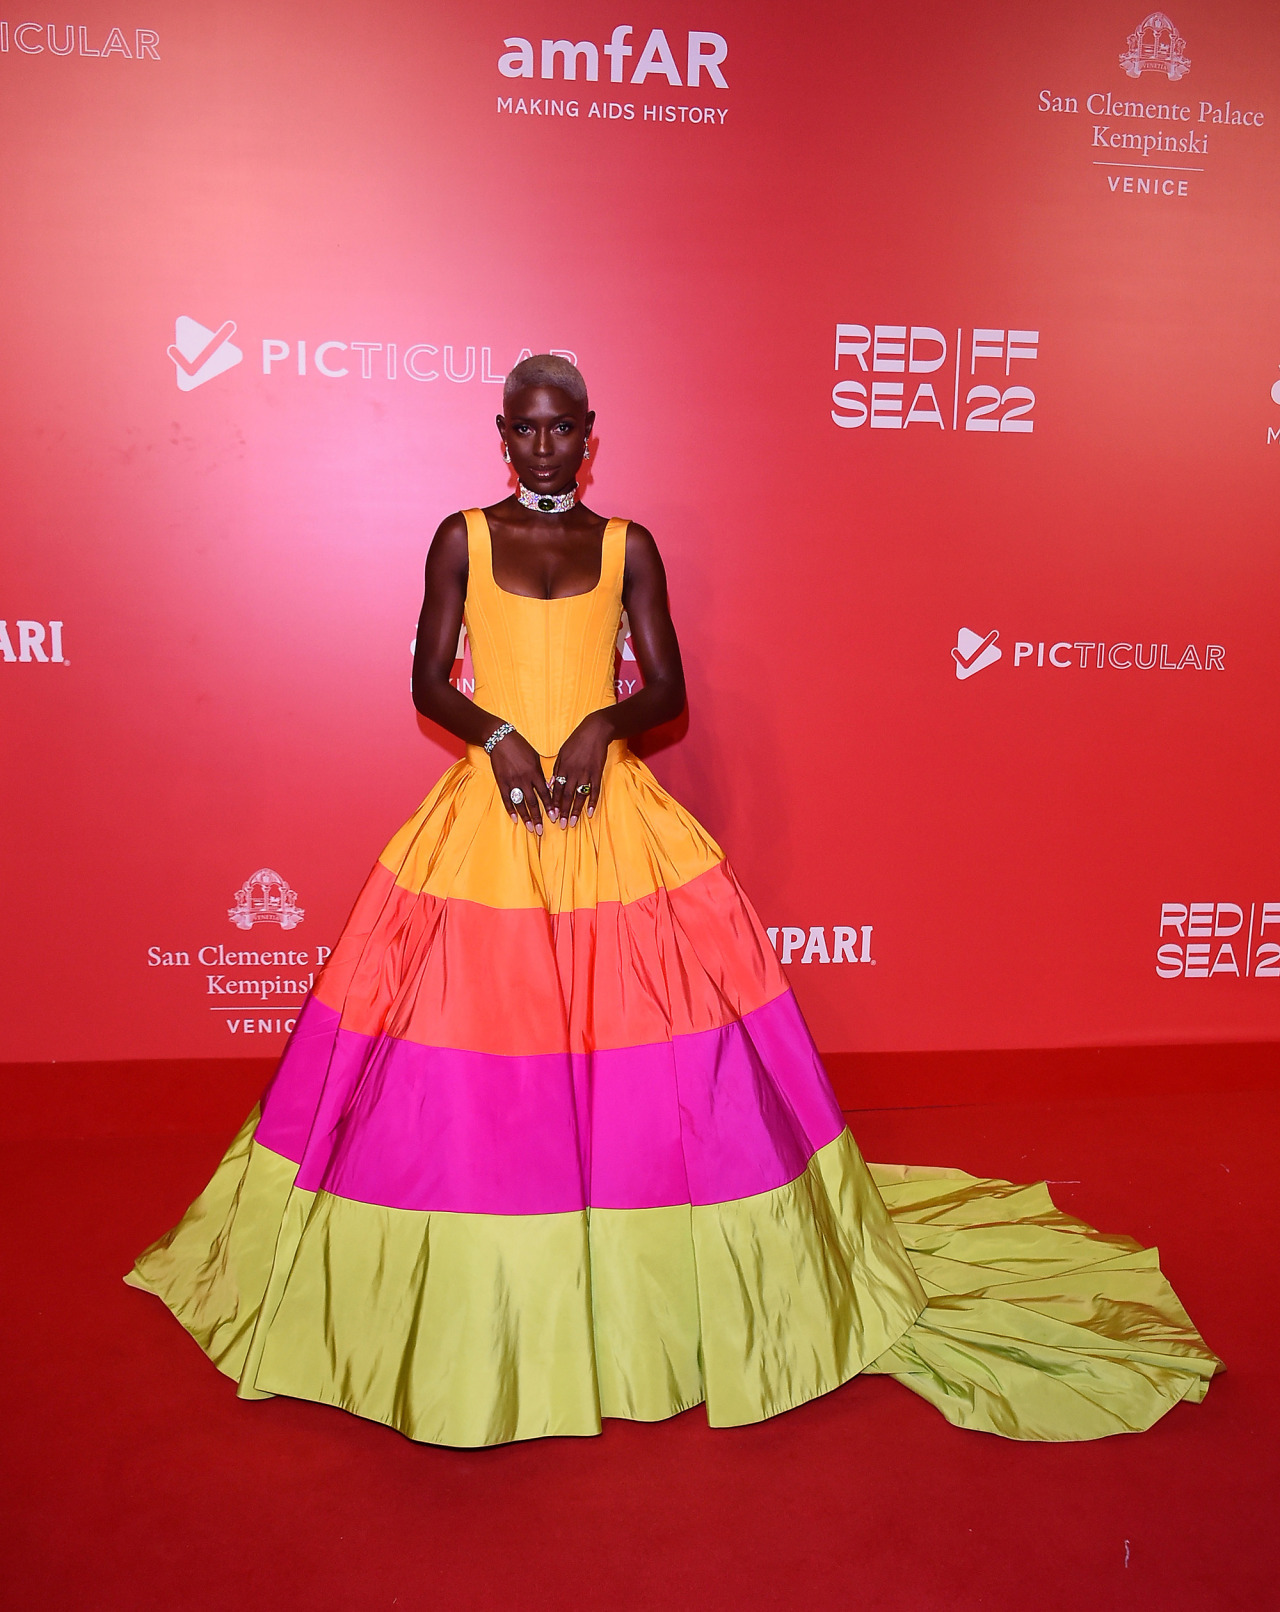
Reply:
x=551, y=1142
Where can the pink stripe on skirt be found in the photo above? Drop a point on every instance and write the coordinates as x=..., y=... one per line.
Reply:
x=701, y=1118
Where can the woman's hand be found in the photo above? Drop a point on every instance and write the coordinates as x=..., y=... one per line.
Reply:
x=517, y=765
x=581, y=765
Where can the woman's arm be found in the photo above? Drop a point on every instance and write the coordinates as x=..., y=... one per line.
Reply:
x=515, y=761
x=653, y=637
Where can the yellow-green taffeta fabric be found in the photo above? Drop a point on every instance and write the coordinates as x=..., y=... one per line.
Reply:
x=551, y=1142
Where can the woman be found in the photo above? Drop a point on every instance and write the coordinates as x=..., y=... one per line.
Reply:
x=551, y=1141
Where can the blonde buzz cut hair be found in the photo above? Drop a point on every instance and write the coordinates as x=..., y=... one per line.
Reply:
x=546, y=369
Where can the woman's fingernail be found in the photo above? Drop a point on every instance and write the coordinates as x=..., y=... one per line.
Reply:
x=538, y=829
x=572, y=821
x=591, y=811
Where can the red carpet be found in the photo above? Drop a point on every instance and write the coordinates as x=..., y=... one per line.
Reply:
x=134, y=1478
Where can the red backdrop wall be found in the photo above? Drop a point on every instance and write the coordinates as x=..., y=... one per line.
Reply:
x=1041, y=281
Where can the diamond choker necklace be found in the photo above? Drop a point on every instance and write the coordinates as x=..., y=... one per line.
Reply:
x=548, y=503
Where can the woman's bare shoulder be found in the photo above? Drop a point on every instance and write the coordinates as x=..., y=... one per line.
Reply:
x=642, y=548
x=448, y=549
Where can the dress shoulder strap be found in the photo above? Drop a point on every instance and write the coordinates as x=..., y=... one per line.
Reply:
x=478, y=552
x=613, y=555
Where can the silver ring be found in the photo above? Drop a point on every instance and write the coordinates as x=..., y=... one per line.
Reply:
x=560, y=779
x=584, y=789
x=516, y=796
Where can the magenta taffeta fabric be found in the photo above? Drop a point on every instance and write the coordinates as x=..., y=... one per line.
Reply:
x=701, y=1119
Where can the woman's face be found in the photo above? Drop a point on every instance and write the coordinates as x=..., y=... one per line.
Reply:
x=546, y=434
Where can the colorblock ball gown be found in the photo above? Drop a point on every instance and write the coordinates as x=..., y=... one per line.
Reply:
x=551, y=1142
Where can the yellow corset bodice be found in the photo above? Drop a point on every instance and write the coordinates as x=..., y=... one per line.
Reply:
x=542, y=664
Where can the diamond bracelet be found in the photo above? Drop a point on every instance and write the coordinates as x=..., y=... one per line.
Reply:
x=497, y=736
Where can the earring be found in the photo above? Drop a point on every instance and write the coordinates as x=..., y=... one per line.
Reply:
x=506, y=453
x=586, y=452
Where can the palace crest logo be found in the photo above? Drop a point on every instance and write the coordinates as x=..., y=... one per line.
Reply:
x=1156, y=46
x=265, y=898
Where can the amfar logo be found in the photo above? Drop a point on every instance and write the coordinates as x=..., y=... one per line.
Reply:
x=974, y=651
x=34, y=38
x=199, y=353
x=32, y=639
x=562, y=58
x=1211, y=943
x=1156, y=46
x=265, y=898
